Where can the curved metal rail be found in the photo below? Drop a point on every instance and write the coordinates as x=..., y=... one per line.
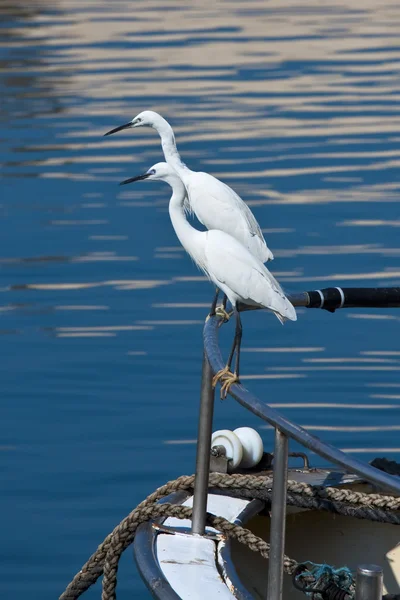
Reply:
x=329, y=299
x=274, y=418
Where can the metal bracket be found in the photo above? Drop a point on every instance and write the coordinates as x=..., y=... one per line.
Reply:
x=218, y=461
x=220, y=464
x=303, y=455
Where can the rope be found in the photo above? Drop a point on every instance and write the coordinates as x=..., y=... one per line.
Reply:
x=346, y=495
x=93, y=568
x=323, y=581
x=316, y=503
x=121, y=541
x=105, y=559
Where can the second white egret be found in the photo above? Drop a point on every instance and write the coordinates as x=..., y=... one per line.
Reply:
x=227, y=263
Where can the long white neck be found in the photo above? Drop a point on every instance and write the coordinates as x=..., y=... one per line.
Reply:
x=168, y=144
x=191, y=239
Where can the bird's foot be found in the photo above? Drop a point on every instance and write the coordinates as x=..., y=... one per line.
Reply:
x=227, y=378
x=221, y=312
x=220, y=375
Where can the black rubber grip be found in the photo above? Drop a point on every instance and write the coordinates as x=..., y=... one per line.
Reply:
x=333, y=298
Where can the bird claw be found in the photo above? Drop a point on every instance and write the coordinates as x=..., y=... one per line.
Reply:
x=222, y=313
x=220, y=375
x=227, y=378
x=228, y=381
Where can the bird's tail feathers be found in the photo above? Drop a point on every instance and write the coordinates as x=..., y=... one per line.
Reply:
x=287, y=314
x=268, y=255
x=281, y=318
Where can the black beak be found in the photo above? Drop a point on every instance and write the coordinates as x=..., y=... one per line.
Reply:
x=138, y=178
x=120, y=128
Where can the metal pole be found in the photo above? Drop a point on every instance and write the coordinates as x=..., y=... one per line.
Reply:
x=369, y=582
x=278, y=517
x=203, y=450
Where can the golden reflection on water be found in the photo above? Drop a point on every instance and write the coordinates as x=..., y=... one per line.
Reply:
x=376, y=275
x=135, y=50
x=369, y=223
x=123, y=284
x=291, y=138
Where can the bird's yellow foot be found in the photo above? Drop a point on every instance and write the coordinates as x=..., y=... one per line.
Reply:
x=220, y=375
x=221, y=312
x=229, y=379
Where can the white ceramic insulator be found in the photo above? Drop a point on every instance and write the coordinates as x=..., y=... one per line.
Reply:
x=252, y=446
x=231, y=443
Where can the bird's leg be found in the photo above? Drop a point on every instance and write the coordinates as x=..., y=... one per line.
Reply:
x=227, y=369
x=225, y=375
x=239, y=333
x=221, y=310
x=214, y=303
x=230, y=377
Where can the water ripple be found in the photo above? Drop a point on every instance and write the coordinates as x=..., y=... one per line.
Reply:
x=292, y=102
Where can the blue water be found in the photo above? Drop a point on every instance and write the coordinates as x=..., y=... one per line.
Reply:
x=295, y=105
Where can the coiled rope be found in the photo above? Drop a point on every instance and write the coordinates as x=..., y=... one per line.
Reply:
x=106, y=558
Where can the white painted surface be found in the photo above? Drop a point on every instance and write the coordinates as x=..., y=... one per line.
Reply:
x=189, y=562
x=221, y=506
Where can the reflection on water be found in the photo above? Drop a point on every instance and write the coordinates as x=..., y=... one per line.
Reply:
x=295, y=104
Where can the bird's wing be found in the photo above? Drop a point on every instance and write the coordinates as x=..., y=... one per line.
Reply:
x=217, y=206
x=232, y=265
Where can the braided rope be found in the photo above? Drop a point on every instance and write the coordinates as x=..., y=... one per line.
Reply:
x=93, y=568
x=105, y=559
x=345, y=495
x=122, y=540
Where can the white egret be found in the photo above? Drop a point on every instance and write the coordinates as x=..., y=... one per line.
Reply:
x=214, y=203
x=226, y=262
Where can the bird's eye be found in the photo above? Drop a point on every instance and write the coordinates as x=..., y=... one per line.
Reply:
x=152, y=172
x=138, y=120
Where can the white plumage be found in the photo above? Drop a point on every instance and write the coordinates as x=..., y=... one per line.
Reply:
x=226, y=262
x=242, y=277
x=214, y=203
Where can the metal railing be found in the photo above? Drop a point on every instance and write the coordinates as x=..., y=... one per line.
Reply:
x=329, y=299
